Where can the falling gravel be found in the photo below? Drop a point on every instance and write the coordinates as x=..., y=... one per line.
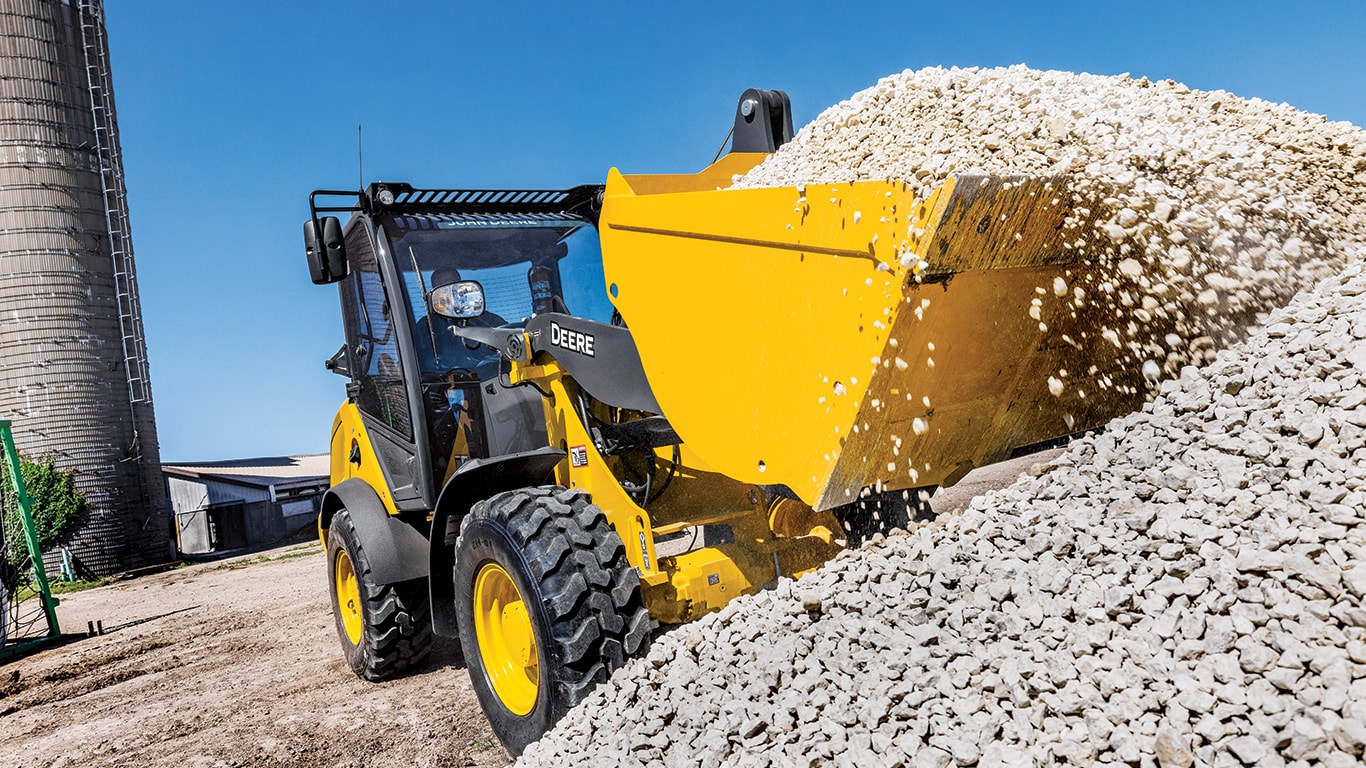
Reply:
x=1218, y=207
x=1186, y=587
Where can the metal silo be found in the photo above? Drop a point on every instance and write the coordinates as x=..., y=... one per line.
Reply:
x=73, y=361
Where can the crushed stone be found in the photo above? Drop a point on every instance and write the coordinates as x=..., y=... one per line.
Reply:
x=1187, y=586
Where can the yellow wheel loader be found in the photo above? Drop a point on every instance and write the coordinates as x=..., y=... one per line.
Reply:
x=573, y=416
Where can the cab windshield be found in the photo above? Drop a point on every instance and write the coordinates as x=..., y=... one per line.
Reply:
x=525, y=265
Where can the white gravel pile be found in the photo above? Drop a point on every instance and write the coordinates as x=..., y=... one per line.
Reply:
x=1220, y=207
x=1187, y=587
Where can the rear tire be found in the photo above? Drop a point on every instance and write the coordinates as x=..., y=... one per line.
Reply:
x=384, y=629
x=547, y=606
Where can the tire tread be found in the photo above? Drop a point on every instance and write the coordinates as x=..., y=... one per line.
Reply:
x=591, y=593
x=398, y=617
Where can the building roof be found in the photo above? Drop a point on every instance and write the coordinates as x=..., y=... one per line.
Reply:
x=277, y=471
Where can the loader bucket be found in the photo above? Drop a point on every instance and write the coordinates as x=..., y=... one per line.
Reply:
x=836, y=337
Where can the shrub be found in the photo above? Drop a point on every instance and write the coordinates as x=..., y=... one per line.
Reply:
x=57, y=505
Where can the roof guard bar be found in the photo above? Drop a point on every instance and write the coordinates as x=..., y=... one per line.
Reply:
x=398, y=198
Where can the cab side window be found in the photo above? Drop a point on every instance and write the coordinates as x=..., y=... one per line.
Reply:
x=370, y=335
x=581, y=276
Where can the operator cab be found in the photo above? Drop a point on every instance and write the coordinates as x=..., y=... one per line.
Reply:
x=415, y=268
x=494, y=273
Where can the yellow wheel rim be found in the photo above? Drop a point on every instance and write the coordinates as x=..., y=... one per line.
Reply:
x=348, y=597
x=507, y=642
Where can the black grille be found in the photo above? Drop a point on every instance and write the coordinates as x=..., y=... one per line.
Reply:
x=449, y=198
x=398, y=199
x=450, y=220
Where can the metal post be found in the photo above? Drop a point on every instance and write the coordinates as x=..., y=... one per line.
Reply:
x=30, y=534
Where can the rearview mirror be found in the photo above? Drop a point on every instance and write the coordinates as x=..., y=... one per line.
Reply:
x=459, y=301
x=326, y=250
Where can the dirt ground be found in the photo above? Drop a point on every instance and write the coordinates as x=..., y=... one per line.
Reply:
x=234, y=663
x=237, y=663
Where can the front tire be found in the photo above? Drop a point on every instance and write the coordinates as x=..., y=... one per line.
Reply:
x=547, y=606
x=384, y=629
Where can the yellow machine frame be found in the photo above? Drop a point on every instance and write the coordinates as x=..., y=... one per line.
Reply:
x=773, y=536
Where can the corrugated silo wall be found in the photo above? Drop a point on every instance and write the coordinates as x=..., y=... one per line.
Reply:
x=63, y=348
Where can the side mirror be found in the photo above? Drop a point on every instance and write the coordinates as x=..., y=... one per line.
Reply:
x=326, y=250
x=459, y=301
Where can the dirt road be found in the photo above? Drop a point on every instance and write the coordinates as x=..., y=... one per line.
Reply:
x=229, y=664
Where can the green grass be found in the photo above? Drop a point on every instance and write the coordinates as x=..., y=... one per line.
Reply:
x=298, y=550
x=59, y=587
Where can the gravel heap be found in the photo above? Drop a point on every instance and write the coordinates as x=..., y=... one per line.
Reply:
x=1189, y=585
x=1219, y=207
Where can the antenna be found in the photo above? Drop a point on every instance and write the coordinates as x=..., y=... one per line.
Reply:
x=360, y=159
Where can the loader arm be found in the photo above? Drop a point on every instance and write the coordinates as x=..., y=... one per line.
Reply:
x=836, y=337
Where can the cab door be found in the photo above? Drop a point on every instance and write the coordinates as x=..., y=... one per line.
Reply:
x=382, y=372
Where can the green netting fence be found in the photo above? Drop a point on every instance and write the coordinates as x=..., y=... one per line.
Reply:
x=28, y=611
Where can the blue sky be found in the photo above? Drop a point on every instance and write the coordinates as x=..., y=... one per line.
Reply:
x=231, y=113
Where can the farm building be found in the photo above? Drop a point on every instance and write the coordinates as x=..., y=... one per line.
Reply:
x=227, y=505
